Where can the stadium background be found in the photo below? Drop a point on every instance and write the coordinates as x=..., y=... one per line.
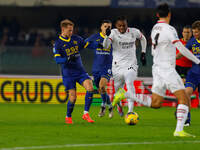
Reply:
x=27, y=29
x=30, y=79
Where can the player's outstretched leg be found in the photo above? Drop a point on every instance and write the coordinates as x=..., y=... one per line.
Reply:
x=70, y=107
x=88, y=101
x=130, y=105
x=122, y=94
x=119, y=95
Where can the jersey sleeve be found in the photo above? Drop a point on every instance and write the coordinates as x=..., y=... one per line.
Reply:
x=56, y=49
x=89, y=42
x=172, y=35
x=138, y=34
x=57, y=54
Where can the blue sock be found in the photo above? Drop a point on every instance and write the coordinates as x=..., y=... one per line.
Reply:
x=70, y=107
x=104, y=98
x=88, y=100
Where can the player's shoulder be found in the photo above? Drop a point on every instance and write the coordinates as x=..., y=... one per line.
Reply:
x=93, y=37
x=114, y=31
x=191, y=41
x=170, y=28
x=76, y=37
x=58, y=41
x=134, y=31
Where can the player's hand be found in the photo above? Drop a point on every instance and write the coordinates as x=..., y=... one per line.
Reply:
x=143, y=58
x=108, y=31
x=72, y=58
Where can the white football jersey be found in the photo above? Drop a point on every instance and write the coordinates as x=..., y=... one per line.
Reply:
x=124, y=49
x=163, y=37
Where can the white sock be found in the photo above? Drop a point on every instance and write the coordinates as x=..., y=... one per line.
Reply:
x=85, y=112
x=130, y=105
x=140, y=98
x=182, y=112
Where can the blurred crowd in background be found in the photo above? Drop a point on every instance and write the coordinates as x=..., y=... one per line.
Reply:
x=26, y=35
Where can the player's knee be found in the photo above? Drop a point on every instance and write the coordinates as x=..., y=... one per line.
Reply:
x=156, y=103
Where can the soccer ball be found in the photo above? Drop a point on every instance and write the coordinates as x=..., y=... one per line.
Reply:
x=131, y=118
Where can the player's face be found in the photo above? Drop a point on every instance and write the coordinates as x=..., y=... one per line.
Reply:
x=196, y=33
x=67, y=31
x=104, y=26
x=187, y=33
x=121, y=25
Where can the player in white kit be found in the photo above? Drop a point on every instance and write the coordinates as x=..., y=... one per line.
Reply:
x=164, y=43
x=124, y=64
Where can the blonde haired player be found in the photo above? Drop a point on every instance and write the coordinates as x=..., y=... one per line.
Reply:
x=124, y=64
x=164, y=43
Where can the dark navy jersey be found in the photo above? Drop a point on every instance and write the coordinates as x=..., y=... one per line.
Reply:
x=65, y=48
x=194, y=45
x=102, y=56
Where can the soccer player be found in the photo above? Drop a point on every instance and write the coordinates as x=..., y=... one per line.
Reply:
x=124, y=65
x=193, y=76
x=164, y=43
x=67, y=53
x=102, y=65
x=182, y=63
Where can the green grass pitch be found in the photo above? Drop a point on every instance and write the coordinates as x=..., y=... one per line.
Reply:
x=41, y=126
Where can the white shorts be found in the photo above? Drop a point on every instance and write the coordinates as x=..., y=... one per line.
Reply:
x=166, y=79
x=124, y=74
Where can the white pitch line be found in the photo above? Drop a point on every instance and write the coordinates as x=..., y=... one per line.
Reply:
x=100, y=144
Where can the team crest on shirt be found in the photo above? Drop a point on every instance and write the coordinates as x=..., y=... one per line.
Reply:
x=64, y=45
x=98, y=40
x=75, y=42
x=119, y=37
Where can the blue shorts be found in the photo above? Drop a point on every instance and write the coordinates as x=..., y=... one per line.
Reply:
x=106, y=72
x=70, y=82
x=192, y=80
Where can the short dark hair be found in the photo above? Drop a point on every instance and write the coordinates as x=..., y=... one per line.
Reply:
x=187, y=27
x=163, y=10
x=121, y=18
x=196, y=25
x=105, y=21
